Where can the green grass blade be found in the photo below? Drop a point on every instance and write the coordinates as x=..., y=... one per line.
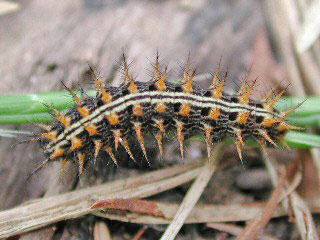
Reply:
x=311, y=106
x=26, y=118
x=307, y=115
x=31, y=108
x=294, y=140
x=34, y=103
x=302, y=140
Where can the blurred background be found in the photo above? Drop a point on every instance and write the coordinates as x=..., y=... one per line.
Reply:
x=45, y=42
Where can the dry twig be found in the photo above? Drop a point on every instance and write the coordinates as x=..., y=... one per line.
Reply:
x=45, y=211
x=301, y=211
x=254, y=228
x=101, y=231
x=193, y=194
x=234, y=230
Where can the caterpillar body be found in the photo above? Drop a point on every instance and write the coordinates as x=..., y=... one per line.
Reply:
x=103, y=123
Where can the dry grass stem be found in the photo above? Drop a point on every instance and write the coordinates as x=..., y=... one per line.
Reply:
x=193, y=194
x=42, y=212
x=235, y=230
x=303, y=67
x=203, y=213
x=303, y=217
x=306, y=64
x=253, y=229
x=292, y=187
x=101, y=231
x=310, y=29
x=33, y=215
x=7, y=7
x=284, y=43
x=225, y=227
x=300, y=209
x=140, y=233
x=300, y=51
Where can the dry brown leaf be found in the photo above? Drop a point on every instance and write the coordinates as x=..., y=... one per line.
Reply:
x=133, y=205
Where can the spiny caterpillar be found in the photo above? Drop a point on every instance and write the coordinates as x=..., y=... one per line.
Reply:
x=102, y=123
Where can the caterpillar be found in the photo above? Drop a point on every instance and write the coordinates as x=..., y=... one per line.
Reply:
x=104, y=122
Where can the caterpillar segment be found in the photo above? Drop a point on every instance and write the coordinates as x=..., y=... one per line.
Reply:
x=64, y=120
x=97, y=148
x=159, y=139
x=105, y=122
x=269, y=95
x=208, y=137
x=110, y=152
x=83, y=110
x=284, y=126
x=215, y=113
x=239, y=142
x=215, y=79
x=156, y=71
x=188, y=85
x=92, y=129
x=44, y=127
x=286, y=113
x=138, y=129
x=245, y=94
x=159, y=133
x=73, y=94
x=63, y=168
x=81, y=160
x=239, y=150
x=245, y=87
x=161, y=83
x=49, y=135
x=270, y=105
x=105, y=96
x=125, y=144
x=180, y=135
x=186, y=71
x=76, y=143
x=282, y=140
x=243, y=117
x=117, y=136
x=58, y=152
x=269, y=121
x=217, y=92
x=265, y=135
